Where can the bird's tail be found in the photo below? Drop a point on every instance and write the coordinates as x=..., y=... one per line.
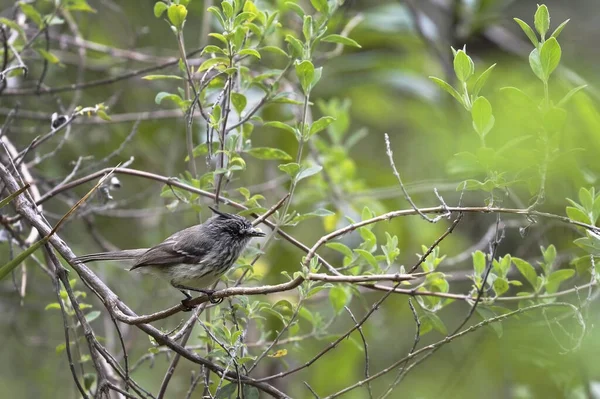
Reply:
x=127, y=254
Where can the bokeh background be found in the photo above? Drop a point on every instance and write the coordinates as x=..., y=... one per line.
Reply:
x=386, y=86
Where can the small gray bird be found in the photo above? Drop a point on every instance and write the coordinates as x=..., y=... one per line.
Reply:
x=193, y=258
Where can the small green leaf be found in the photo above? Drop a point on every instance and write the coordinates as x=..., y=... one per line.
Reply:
x=577, y=215
x=162, y=77
x=250, y=51
x=54, y=305
x=48, y=56
x=60, y=348
x=93, y=315
x=319, y=125
x=31, y=13
x=283, y=126
x=268, y=153
x=480, y=82
x=275, y=50
x=479, y=262
x=557, y=277
x=159, y=9
x=483, y=120
x=177, y=14
x=305, y=71
x=570, y=94
x=463, y=66
x=295, y=46
x=550, y=56
x=239, y=102
x=338, y=246
x=528, y=31
x=536, y=64
x=227, y=8
x=559, y=29
x=445, y=86
x=296, y=8
x=168, y=96
x=320, y=5
x=542, y=20
x=339, y=296
x=309, y=171
x=341, y=40
x=290, y=169
x=366, y=255
x=500, y=286
x=526, y=270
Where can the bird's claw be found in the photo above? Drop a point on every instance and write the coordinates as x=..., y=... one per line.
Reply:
x=186, y=306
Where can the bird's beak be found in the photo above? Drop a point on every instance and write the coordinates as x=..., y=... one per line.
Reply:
x=255, y=232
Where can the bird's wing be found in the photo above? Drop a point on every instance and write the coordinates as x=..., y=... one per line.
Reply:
x=179, y=248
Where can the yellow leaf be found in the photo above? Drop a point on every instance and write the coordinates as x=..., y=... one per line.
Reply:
x=279, y=353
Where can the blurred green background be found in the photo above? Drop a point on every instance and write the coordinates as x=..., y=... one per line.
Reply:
x=387, y=86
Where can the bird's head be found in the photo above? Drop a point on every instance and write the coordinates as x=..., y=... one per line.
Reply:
x=235, y=225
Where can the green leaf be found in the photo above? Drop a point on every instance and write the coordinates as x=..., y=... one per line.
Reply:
x=528, y=31
x=570, y=94
x=9, y=266
x=341, y=40
x=486, y=313
x=559, y=29
x=218, y=61
x=435, y=322
x=159, y=9
x=162, y=77
x=550, y=56
x=536, y=64
x=549, y=254
x=463, y=66
x=445, y=86
x=239, y=102
x=53, y=305
x=78, y=5
x=305, y=71
x=542, y=20
x=500, y=286
x=526, y=270
x=295, y=46
x=479, y=262
x=481, y=112
x=480, y=82
x=309, y=171
x=556, y=278
x=31, y=13
x=578, y=215
x=227, y=8
x=320, y=5
x=267, y=153
x=296, y=8
x=48, y=56
x=319, y=125
x=275, y=50
x=60, y=348
x=93, y=315
x=177, y=14
x=307, y=28
x=283, y=126
x=290, y=169
x=366, y=255
x=338, y=246
x=11, y=197
x=250, y=51
x=339, y=296
x=168, y=96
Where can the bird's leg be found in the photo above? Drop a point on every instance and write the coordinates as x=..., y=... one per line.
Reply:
x=184, y=301
x=208, y=293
